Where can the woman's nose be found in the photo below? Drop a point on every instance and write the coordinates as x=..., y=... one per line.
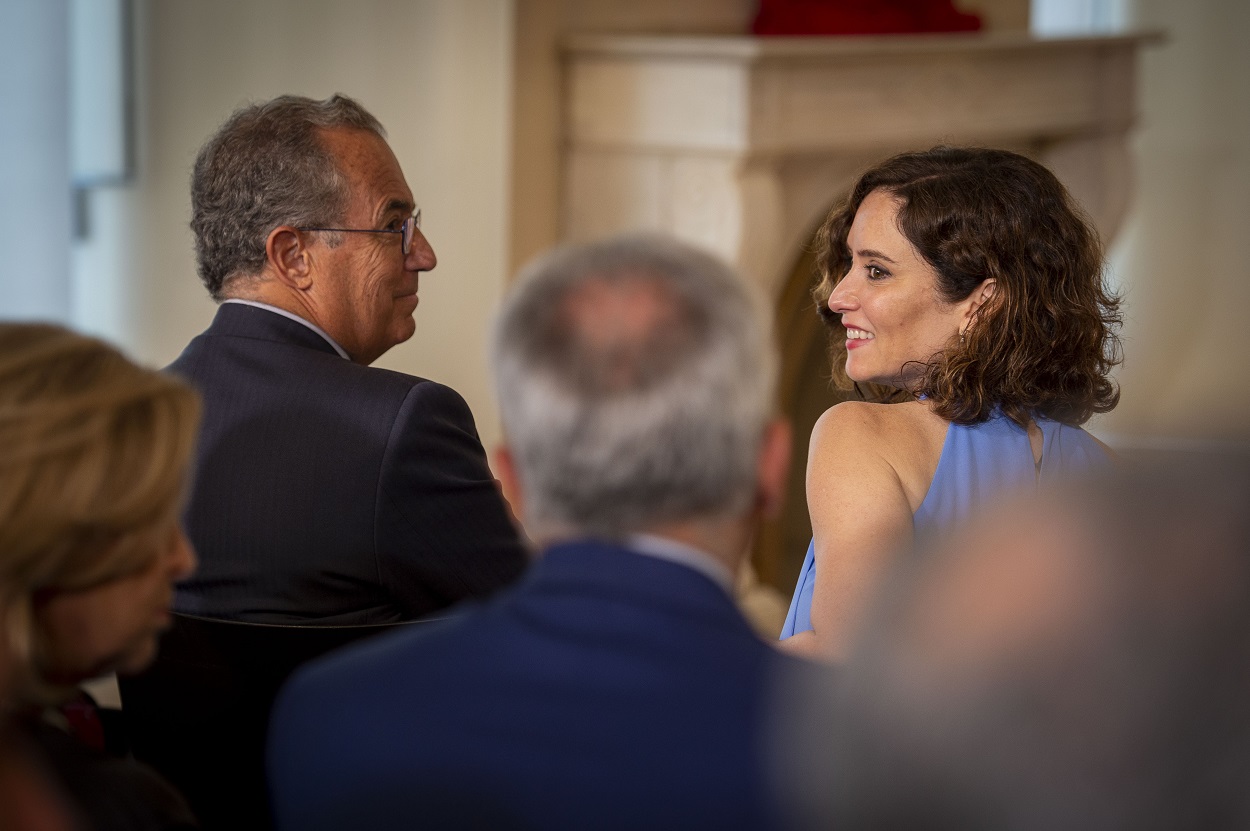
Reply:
x=843, y=297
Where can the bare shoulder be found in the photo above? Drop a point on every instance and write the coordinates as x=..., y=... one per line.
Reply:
x=877, y=426
x=851, y=422
x=904, y=440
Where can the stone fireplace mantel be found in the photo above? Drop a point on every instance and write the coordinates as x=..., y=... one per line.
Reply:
x=742, y=144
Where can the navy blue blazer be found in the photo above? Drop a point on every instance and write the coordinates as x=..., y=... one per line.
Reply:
x=608, y=690
x=325, y=492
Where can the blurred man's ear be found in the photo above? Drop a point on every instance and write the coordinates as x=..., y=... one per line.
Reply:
x=505, y=469
x=288, y=258
x=772, y=468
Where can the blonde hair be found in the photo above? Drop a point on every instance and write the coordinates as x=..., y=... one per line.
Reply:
x=94, y=453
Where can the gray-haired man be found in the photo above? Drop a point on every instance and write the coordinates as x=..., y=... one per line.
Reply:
x=618, y=686
x=325, y=491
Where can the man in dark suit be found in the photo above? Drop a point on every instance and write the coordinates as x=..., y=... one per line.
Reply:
x=617, y=686
x=325, y=491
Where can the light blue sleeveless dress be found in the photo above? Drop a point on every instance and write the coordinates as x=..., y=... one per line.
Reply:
x=977, y=463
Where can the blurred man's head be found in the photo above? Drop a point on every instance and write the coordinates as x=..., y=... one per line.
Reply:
x=635, y=380
x=301, y=204
x=1079, y=661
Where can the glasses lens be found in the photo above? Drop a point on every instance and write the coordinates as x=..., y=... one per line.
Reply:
x=410, y=226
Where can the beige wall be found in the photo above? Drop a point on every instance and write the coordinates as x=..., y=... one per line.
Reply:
x=435, y=72
x=441, y=73
x=1181, y=258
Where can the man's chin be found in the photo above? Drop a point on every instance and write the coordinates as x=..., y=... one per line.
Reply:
x=407, y=327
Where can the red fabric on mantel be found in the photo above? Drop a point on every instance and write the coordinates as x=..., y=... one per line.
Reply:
x=861, y=17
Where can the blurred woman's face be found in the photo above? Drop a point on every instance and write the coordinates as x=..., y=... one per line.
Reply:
x=889, y=300
x=112, y=627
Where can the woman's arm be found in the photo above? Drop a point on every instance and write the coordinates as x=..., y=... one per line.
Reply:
x=861, y=517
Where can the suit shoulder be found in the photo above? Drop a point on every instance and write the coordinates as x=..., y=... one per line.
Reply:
x=347, y=379
x=366, y=674
x=381, y=375
x=419, y=392
x=382, y=656
x=425, y=399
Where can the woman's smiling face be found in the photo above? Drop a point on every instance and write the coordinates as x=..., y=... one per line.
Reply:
x=896, y=320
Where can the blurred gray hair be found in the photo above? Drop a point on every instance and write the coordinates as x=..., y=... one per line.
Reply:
x=613, y=431
x=265, y=167
x=1077, y=662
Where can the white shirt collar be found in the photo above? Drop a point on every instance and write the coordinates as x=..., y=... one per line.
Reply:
x=294, y=317
x=666, y=549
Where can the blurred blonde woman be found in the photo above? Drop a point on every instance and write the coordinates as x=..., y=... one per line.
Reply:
x=94, y=452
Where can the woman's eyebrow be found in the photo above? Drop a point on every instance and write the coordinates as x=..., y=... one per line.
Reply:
x=873, y=254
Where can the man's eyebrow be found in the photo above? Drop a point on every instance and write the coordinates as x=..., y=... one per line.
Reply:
x=873, y=254
x=399, y=205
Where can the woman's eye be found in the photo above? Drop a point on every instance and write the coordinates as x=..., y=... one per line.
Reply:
x=875, y=273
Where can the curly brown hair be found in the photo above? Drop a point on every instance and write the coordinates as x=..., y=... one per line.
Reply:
x=1044, y=345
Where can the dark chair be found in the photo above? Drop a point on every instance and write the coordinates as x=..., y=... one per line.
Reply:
x=200, y=713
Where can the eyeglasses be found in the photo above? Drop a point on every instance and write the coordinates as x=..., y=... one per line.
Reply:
x=408, y=230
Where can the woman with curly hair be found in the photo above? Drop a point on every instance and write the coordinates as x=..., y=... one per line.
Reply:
x=968, y=284
x=94, y=453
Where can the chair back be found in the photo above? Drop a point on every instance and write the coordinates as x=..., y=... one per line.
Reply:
x=200, y=713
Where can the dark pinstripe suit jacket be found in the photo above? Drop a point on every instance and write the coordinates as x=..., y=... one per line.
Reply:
x=325, y=492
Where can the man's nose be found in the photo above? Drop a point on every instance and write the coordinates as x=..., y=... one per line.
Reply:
x=420, y=256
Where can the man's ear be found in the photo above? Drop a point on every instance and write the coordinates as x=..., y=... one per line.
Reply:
x=288, y=257
x=505, y=469
x=772, y=468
